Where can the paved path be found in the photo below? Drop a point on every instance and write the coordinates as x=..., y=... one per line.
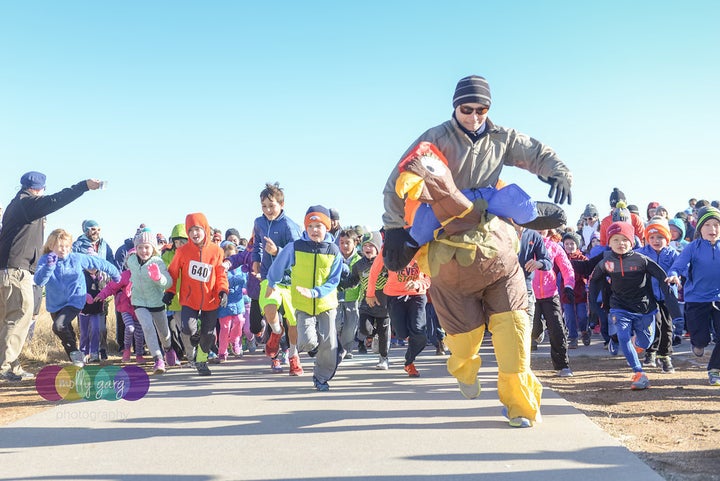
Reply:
x=243, y=423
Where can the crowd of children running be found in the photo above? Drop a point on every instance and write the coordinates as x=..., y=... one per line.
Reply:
x=642, y=285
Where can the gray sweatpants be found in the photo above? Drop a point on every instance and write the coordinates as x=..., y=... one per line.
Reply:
x=346, y=324
x=319, y=331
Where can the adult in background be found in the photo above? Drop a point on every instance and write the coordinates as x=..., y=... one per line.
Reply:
x=335, y=224
x=91, y=242
x=21, y=241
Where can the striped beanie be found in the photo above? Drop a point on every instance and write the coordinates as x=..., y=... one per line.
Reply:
x=472, y=90
x=704, y=214
x=145, y=236
x=318, y=213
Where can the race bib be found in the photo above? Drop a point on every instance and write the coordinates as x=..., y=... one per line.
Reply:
x=199, y=271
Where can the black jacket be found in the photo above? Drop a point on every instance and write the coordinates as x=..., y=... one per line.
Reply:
x=23, y=225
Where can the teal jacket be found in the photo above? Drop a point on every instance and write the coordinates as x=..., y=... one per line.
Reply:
x=316, y=266
x=146, y=292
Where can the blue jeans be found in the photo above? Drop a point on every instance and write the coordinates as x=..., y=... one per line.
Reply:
x=626, y=323
x=89, y=325
x=433, y=331
x=576, y=319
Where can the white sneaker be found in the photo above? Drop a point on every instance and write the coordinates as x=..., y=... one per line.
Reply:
x=77, y=358
x=383, y=364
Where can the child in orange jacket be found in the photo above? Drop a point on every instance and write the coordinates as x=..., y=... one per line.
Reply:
x=203, y=286
x=406, y=298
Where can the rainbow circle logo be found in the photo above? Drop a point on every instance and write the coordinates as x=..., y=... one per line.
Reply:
x=70, y=383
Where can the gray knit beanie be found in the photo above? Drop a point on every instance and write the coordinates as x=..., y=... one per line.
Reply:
x=472, y=90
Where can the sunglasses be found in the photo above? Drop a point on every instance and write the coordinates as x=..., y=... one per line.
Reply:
x=464, y=109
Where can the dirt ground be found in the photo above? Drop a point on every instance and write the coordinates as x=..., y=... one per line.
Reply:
x=674, y=426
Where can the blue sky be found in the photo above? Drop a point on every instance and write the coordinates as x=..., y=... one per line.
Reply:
x=192, y=106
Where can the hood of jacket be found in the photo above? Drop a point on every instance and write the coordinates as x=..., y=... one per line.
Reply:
x=179, y=231
x=679, y=224
x=198, y=218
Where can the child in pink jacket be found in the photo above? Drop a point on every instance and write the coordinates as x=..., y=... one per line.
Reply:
x=121, y=290
x=547, y=304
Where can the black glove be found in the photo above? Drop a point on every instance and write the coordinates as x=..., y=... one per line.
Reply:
x=167, y=298
x=570, y=294
x=223, y=299
x=559, y=187
x=399, y=249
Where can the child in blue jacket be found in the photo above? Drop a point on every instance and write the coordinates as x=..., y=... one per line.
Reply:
x=61, y=271
x=699, y=265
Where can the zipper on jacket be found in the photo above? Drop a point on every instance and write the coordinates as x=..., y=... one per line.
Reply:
x=314, y=276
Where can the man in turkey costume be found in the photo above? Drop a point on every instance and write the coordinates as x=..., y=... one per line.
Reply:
x=442, y=205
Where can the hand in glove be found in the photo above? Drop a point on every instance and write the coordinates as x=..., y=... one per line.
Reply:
x=223, y=299
x=559, y=187
x=168, y=298
x=399, y=249
x=570, y=294
x=154, y=272
x=51, y=259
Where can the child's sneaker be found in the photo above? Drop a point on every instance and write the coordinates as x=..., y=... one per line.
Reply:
x=586, y=336
x=125, y=356
x=252, y=345
x=159, y=366
x=103, y=354
x=698, y=351
x=139, y=359
x=470, y=391
x=202, y=369
x=565, y=372
x=666, y=364
x=171, y=357
x=275, y=366
x=77, y=358
x=295, y=367
x=382, y=364
x=223, y=357
x=272, y=346
x=517, y=422
x=613, y=347
x=237, y=348
x=639, y=381
x=677, y=340
x=93, y=358
x=650, y=359
x=412, y=372
x=573, y=343
x=714, y=377
x=320, y=386
x=362, y=349
x=283, y=356
x=213, y=358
